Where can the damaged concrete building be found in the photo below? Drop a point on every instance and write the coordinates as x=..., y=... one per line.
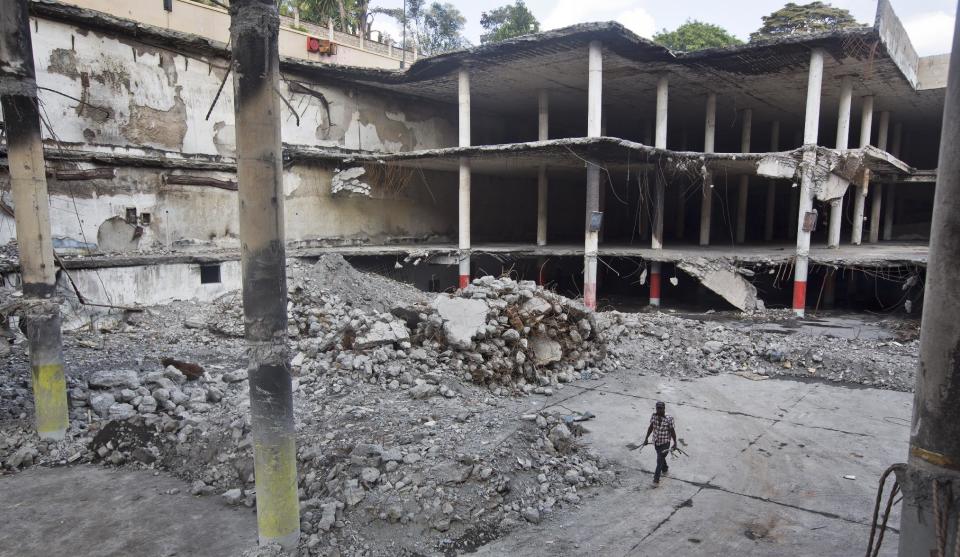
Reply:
x=585, y=157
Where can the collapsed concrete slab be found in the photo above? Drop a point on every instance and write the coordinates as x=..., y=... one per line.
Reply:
x=725, y=280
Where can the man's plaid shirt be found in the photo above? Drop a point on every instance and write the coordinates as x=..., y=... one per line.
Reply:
x=661, y=429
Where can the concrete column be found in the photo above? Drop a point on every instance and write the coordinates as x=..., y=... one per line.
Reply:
x=254, y=28
x=660, y=142
x=810, y=131
x=28, y=182
x=746, y=126
x=843, y=141
x=543, y=133
x=931, y=481
x=329, y=29
x=681, y=193
x=860, y=195
x=891, y=188
x=706, y=199
x=463, y=102
x=594, y=119
x=876, y=199
x=771, y=186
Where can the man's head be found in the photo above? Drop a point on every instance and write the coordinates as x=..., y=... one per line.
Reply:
x=661, y=408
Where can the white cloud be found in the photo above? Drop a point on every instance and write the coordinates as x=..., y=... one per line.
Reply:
x=627, y=12
x=639, y=21
x=930, y=32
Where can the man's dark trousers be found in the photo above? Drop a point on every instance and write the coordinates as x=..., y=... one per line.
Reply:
x=662, y=467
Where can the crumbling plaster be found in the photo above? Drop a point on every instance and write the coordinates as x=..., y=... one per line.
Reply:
x=144, y=97
x=184, y=215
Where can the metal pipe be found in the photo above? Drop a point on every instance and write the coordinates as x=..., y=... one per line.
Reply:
x=935, y=433
x=594, y=121
x=463, y=102
x=254, y=28
x=746, y=127
x=28, y=181
x=810, y=133
x=771, y=185
x=706, y=198
x=860, y=194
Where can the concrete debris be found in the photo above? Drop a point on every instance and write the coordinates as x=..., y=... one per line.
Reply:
x=724, y=279
x=399, y=421
x=347, y=183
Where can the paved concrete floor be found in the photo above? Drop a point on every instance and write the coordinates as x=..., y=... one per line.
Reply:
x=93, y=510
x=765, y=475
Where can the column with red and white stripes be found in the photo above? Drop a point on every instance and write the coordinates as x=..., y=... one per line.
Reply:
x=810, y=134
x=464, y=195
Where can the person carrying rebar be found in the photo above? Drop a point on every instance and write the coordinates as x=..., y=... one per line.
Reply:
x=661, y=426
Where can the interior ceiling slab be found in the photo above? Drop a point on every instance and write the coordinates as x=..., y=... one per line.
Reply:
x=769, y=77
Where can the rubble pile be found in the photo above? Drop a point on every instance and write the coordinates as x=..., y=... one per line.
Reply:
x=499, y=331
x=683, y=347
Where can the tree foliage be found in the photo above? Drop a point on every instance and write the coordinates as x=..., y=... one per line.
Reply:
x=696, y=35
x=798, y=19
x=435, y=28
x=349, y=16
x=507, y=22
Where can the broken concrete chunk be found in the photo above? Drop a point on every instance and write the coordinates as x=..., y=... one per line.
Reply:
x=545, y=350
x=382, y=333
x=463, y=319
x=113, y=378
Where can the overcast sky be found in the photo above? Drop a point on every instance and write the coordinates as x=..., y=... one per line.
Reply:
x=928, y=22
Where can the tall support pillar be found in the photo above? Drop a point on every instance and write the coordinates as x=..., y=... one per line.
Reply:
x=543, y=134
x=843, y=141
x=254, y=28
x=810, y=131
x=747, y=125
x=682, y=192
x=594, y=119
x=660, y=142
x=18, y=99
x=771, y=186
x=932, y=479
x=892, y=187
x=463, y=102
x=860, y=195
x=876, y=201
x=706, y=200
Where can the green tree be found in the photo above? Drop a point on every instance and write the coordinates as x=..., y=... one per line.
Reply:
x=507, y=22
x=435, y=29
x=797, y=19
x=695, y=35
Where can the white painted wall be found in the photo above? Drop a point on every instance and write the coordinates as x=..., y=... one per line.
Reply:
x=153, y=284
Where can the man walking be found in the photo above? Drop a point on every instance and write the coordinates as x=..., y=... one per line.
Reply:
x=661, y=426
